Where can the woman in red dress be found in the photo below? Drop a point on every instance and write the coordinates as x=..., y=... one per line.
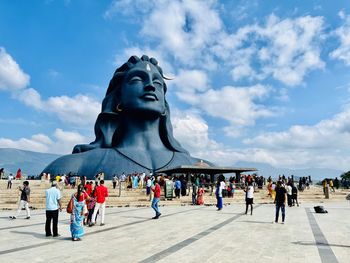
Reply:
x=19, y=174
x=200, y=196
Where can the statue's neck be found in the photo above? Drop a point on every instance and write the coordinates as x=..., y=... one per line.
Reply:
x=142, y=133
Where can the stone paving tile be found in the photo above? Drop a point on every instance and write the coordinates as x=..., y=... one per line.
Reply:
x=184, y=233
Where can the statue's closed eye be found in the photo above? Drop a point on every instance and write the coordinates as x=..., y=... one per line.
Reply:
x=157, y=82
x=135, y=79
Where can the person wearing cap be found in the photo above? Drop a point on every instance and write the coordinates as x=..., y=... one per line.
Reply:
x=53, y=205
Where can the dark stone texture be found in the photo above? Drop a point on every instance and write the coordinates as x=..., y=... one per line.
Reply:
x=133, y=131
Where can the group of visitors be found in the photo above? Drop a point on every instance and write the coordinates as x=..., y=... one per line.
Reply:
x=197, y=194
x=289, y=185
x=10, y=177
x=83, y=206
x=89, y=201
x=254, y=179
x=180, y=186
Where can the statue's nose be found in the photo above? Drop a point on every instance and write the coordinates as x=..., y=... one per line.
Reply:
x=149, y=86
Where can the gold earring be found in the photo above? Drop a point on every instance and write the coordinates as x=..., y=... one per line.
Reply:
x=119, y=109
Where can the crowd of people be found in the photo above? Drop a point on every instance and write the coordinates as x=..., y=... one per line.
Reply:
x=89, y=201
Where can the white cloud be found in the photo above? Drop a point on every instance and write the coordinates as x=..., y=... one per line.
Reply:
x=238, y=105
x=30, y=97
x=331, y=133
x=38, y=142
x=192, y=131
x=194, y=35
x=62, y=142
x=184, y=30
x=12, y=76
x=190, y=81
x=325, y=144
x=66, y=140
x=343, y=33
x=80, y=109
x=288, y=49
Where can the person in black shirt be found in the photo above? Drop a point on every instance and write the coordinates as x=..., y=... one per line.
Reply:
x=25, y=199
x=280, y=201
x=294, y=195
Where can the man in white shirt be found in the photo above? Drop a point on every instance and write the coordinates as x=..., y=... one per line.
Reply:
x=289, y=194
x=9, y=181
x=53, y=204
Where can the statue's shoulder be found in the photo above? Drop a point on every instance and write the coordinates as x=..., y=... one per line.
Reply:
x=65, y=164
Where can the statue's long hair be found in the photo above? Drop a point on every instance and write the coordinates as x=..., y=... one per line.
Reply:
x=107, y=126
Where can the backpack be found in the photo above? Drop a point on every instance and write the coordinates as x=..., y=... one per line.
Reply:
x=320, y=209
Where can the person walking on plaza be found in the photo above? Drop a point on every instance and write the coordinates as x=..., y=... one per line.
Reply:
x=101, y=192
x=194, y=193
x=9, y=181
x=294, y=195
x=53, y=205
x=78, y=213
x=24, y=201
x=177, y=188
x=289, y=194
x=331, y=185
x=280, y=201
x=114, y=181
x=156, y=198
x=148, y=186
x=218, y=194
x=249, y=199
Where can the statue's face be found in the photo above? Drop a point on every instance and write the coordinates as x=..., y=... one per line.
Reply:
x=143, y=90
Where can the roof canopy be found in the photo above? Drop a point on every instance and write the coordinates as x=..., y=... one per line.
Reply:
x=205, y=170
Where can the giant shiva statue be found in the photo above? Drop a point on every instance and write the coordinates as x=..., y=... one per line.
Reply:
x=133, y=131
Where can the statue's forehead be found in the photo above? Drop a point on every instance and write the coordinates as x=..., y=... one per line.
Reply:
x=145, y=66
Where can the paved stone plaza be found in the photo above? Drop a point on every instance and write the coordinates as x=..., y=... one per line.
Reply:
x=185, y=234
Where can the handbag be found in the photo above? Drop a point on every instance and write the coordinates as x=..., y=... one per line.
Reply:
x=70, y=206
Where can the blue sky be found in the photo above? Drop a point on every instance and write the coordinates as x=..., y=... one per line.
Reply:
x=256, y=81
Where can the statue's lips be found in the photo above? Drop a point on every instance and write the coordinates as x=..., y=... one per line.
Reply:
x=149, y=96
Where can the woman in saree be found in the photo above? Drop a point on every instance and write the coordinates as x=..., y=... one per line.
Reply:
x=200, y=196
x=78, y=213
